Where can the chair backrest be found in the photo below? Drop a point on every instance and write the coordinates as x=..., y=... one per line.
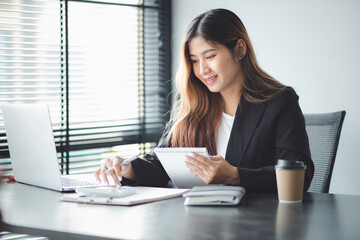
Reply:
x=324, y=133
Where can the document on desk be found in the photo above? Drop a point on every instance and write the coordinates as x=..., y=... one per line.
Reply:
x=141, y=195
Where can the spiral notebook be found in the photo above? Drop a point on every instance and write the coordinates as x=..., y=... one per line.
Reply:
x=173, y=160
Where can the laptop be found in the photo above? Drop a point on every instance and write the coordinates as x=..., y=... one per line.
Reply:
x=32, y=148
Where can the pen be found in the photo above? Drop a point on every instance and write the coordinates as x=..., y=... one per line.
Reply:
x=126, y=161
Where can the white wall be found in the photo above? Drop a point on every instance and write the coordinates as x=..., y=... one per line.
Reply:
x=311, y=45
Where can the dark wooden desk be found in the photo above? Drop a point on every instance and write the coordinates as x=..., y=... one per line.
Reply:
x=259, y=216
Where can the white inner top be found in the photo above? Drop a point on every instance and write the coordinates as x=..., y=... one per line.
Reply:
x=223, y=136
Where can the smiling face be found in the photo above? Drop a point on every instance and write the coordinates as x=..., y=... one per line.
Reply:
x=216, y=67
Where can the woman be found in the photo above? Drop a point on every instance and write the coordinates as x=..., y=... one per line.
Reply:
x=228, y=104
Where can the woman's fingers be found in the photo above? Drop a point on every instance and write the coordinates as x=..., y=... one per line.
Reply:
x=115, y=178
x=109, y=167
x=116, y=174
x=199, y=165
x=97, y=175
x=199, y=160
x=213, y=170
x=103, y=174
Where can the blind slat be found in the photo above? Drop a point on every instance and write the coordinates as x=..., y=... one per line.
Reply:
x=98, y=76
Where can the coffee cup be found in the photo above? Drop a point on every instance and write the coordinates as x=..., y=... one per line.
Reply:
x=290, y=180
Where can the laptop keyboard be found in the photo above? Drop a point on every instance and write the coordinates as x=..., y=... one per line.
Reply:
x=10, y=235
x=74, y=182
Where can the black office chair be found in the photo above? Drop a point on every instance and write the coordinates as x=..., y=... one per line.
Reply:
x=324, y=133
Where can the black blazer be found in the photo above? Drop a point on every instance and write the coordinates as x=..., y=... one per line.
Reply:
x=261, y=134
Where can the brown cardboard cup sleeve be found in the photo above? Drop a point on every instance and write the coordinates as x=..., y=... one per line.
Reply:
x=290, y=180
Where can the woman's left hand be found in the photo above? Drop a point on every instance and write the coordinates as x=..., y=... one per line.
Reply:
x=215, y=170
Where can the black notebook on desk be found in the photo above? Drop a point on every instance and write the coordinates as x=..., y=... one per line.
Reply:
x=214, y=195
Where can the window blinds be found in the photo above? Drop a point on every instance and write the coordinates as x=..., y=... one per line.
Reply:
x=101, y=66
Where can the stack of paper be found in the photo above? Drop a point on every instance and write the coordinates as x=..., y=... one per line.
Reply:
x=141, y=195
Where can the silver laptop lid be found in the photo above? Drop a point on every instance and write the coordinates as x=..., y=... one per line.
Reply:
x=31, y=145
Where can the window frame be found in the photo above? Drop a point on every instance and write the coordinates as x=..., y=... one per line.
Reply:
x=149, y=133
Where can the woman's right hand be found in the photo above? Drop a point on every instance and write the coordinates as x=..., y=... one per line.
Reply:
x=117, y=171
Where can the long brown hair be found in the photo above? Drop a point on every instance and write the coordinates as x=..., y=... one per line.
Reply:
x=197, y=114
